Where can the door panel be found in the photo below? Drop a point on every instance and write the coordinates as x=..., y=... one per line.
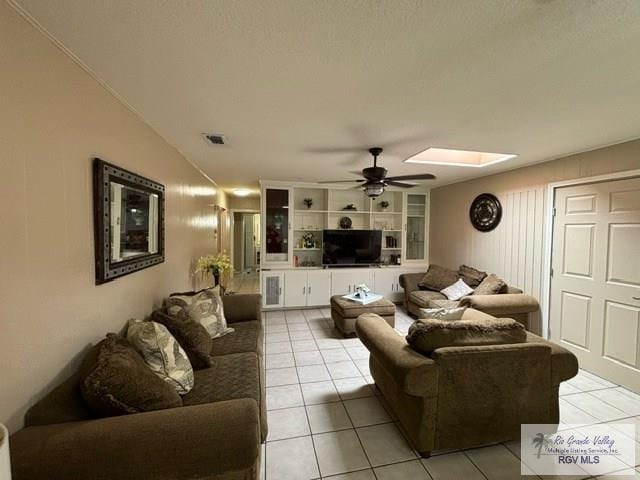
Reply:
x=595, y=285
x=318, y=288
x=295, y=288
x=272, y=289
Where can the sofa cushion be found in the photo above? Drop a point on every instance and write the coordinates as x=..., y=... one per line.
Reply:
x=204, y=307
x=443, y=303
x=191, y=336
x=422, y=297
x=471, y=276
x=117, y=381
x=248, y=337
x=231, y=377
x=437, y=278
x=457, y=290
x=162, y=353
x=426, y=335
x=491, y=285
x=350, y=309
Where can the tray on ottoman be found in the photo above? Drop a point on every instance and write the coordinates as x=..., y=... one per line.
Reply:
x=344, y=312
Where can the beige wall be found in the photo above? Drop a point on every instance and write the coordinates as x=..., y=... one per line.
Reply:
x=53, y=119
x=244, y=203
x=514, y=249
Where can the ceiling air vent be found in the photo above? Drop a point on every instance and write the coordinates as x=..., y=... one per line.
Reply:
x=214, y=138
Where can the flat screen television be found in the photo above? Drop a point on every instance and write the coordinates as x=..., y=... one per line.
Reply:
x=351, y=247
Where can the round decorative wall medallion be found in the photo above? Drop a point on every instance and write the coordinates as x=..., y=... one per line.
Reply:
x=345, y=222
x=485, y=212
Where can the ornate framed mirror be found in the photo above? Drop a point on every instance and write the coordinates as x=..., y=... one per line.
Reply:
x=128, y=221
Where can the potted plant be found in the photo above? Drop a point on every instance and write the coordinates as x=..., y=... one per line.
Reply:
x=308, y=202
x=215, y=265
x=384, y=205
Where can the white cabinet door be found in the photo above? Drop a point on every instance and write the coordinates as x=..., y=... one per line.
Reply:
x=345, y=281
x=362, y=275
x=341, y=282
x=318, y=288
x=386, y=283
x=272, y=283
x=295, y=288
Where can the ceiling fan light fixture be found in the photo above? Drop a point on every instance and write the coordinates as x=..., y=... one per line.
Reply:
x=374, y=189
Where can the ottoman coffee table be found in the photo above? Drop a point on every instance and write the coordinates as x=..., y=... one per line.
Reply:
x=344, y=312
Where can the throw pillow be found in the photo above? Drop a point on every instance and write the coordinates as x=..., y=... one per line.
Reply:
x=205, y=307
x=162, y=353
x=115, y=380
x=491, y=285
x=427, y=335
x=191, y=335
x=449, y=314
x=471, y=276
x=456, y=291
x=437, y=278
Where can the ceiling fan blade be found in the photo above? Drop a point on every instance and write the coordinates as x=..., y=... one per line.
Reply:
x=399, y=184
x=341, y=181
x=418, y=176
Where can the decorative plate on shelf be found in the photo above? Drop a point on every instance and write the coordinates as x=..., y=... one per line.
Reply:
x=485, y=212
x=345, y=222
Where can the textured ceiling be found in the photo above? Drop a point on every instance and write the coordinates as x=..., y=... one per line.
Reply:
x=298, y=87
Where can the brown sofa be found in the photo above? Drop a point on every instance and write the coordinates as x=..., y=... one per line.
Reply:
x=461, y=397
x=215, y=435
x=513, y=304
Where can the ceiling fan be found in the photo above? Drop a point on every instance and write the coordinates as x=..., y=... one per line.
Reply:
x=375, y=178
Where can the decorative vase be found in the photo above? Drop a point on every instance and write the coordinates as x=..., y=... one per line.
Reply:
x=216, y=279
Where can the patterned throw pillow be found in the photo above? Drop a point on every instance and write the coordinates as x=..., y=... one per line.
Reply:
x=162, y=353
x=491, y=285
x=114, y=380
x=205, y=307
x=437, y=278
x=449, y=314
x=457, y=290
x=191, y=336
x=471, y=276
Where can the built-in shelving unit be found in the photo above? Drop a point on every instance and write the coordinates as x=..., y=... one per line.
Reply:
x=295, y=217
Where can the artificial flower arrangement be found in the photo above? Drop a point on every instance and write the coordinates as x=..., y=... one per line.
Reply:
x=308, y=240
x=215, y=265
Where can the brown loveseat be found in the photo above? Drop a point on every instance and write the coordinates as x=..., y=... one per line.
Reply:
x=513, y=304
x=215, y=435
x=461, y=397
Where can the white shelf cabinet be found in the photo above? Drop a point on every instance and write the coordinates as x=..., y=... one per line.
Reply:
x=302, y=288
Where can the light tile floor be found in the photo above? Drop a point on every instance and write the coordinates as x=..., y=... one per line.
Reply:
x=327, y=419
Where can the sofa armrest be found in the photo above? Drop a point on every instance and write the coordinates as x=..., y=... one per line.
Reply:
x=416, y=374
x=198, y=441
x=242, y=307
x=409, y=283
x=564, y=364
x=502, y=304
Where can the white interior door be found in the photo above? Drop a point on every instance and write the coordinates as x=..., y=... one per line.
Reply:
x=595, y=287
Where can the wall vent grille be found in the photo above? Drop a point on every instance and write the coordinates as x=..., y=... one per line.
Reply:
x=214, y=138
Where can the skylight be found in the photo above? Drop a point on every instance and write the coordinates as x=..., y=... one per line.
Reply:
x=458, y=158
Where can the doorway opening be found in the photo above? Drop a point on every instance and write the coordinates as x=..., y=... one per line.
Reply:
x=245, y=251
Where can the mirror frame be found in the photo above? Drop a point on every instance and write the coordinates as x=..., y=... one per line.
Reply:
x=103, y=174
